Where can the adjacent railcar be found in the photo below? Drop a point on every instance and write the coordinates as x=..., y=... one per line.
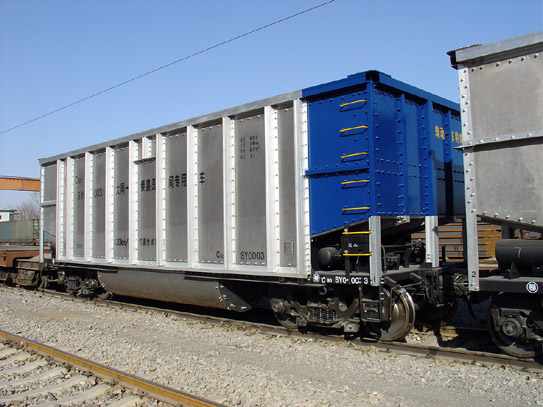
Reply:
x=501, y=96
x=307, y=198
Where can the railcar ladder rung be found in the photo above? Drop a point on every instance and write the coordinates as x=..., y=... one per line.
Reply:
x=355, y=182
x=352, y=103
x=360, y=208
x=354, y=155
x=353, y=128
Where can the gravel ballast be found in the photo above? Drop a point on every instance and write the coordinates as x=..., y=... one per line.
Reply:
x=246, y=367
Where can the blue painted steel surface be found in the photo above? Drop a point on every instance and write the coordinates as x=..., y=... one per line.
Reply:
x=380, y=147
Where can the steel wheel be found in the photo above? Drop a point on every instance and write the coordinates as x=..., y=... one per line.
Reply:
x=402, y=318
x=44, y=281
x=104, y=295
x=506, y=317
x=286, y=320
x=438, y=315
x=280, y=300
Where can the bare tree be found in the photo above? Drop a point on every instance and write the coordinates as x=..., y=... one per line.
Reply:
x=30, y=209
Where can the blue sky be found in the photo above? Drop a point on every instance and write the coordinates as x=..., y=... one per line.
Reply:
x=55, y=52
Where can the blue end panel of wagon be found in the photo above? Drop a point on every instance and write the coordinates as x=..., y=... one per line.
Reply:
x=380, y=147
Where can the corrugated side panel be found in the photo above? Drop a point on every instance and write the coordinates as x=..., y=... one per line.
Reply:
x=210, y=194
x=176, y=192
x=226, y=195
x=120, y=200
x=251, y=190
x=147, y=210
x=287, y=188
x=49, y=202
x=98, y=205
x=79, y=197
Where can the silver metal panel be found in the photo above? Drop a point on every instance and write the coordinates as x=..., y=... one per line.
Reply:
x=41, y=232
x=432, y=240
x=273, y=214
x=163, y=287
x=507, y=96
x=501, y=109
x=472, y=247
x=161, y=179
x=501, y=100
x=79, y=207
x=192, y=196
x=49, y=184
x=229, y=158
x=49, y=220
x=48, y=199
x=109, y=193
x=287, y=187
x=251, y=191
x=99, y=205
x=214, y=176
x=176, y=198
x=209, y=178
x=135, y=154
x=61, y=207
x=301, y=149
x=147, y=210
x=122, y=190
x=376, y=265
x=89, y=160
x=69, y=208
x=509, y=181
x=501, y=49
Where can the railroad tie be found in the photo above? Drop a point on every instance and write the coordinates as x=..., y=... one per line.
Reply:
x=87, y=395
x=7, y=352
x=21, y=356
x=49, y=389
x=45, y=375
x=19, y=370
x=128, y=401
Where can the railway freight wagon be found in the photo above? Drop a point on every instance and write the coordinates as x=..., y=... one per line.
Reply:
x=307, y=198
x=501, y=99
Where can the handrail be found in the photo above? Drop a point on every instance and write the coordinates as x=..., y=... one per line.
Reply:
x=355, y=154
x=351, y=103
x=353, y=128
x=354, y=182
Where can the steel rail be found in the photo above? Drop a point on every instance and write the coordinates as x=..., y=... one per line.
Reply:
x=157, y=391
x=459, y=354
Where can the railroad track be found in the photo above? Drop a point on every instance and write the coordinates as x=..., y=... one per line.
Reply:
x=32, y=373
x=447, y=342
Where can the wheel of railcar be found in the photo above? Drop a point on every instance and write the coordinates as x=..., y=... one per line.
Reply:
x=286, y=320
x=280, y=300
x=402, y=318
x=104, y=295
x=509, y=318
x=438, y=315
x=44, y=282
